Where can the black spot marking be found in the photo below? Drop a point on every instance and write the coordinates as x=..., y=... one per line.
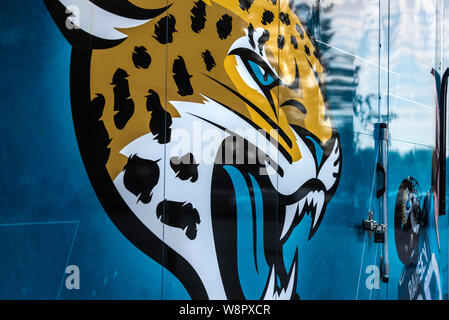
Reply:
x=179, y=215
x=316, y=54
x=285, y=18
x=274, y=2
x=182, y=77
x=281, y=41
x=140, y=177
x=123, y=104
x=251, y=36
x=262, y=40
x=246, y=4
x=307, y=50
x=97, y=106
x=294, y=42
x=209, y=61
x=224, y=26
x=185, y=167
x=198, y=16
x=267, y=17
x=300, y=31
x=164, y=29
x=141, y=58
x=161, y=120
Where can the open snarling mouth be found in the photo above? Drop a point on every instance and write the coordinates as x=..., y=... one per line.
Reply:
x=229, y=218
x=252, y=221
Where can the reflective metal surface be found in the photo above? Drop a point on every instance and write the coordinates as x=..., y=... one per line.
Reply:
x=249, y=230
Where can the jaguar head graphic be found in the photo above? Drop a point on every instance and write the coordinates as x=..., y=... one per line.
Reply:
x=205, y=131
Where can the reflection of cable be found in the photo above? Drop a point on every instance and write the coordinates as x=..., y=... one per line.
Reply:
x=374, y=177
x=369, y=209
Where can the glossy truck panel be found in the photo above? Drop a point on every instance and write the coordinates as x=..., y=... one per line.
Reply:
x=224, y=149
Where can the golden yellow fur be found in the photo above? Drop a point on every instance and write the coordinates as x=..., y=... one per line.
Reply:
x=190, y=45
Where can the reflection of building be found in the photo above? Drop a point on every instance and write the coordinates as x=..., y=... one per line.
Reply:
x=352, y=79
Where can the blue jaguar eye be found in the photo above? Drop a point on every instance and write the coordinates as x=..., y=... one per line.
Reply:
x=257, y=68
x=263, y=76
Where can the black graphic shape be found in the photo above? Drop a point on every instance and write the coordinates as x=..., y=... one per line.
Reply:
x=294, y=42
x=281, y=41
x=209, y=61
x=246, y=4
x=161, y=120
x=185, y=167
x=182, y=77
x=140, y=177
x=263, y=39
x=164, y=29
x=224, y=26
x=225, y=216
x=141, y=58
x=267, y=17
x=285, y=18
x=295, y=103
x=198, y=16
x=97, y=106
x=307, y=50
x=123, y=103
x=251, y=36
x=179, y=215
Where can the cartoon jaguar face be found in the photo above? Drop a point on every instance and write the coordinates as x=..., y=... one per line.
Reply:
x=205, y=133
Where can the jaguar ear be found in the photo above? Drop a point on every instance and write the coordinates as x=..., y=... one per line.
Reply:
x=94, y=24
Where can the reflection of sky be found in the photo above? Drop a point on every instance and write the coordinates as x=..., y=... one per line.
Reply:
x=412, y=54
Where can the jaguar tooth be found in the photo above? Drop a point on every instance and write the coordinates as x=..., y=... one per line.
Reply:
x=309, y=198
x=283, y=294
x=314, y=197
x=319, y=208
x=290, y=212
x=301, y=206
